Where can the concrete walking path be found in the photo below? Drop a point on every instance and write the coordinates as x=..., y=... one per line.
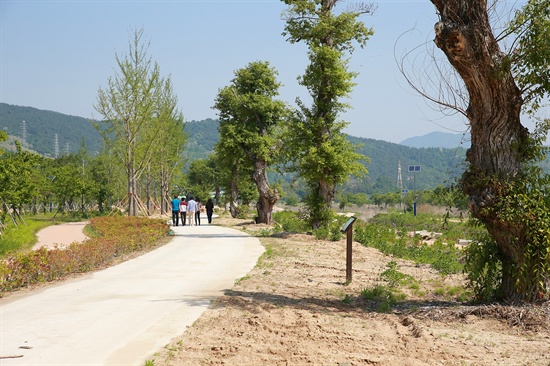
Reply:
x=124, y=314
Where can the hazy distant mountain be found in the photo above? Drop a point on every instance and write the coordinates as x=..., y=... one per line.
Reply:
x=439, y=139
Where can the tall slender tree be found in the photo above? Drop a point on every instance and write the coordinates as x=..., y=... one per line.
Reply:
x=132, y=110
x=167, y=157
x=249, y=120
x=316, y=146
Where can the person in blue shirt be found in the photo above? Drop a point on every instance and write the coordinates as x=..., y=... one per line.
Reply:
x=175, y=210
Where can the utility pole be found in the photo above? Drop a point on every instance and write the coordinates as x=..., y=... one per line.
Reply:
x=413, y=169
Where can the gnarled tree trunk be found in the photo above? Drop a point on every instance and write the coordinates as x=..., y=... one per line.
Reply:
x=267, y=196
x=496, y=156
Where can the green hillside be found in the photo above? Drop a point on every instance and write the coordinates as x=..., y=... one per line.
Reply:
x=42, y=126
x=438, y=165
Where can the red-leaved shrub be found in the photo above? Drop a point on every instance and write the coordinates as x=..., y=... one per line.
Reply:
x=119, y=236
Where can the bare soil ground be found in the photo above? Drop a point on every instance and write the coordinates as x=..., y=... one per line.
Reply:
x=61, y=236
x=294, y=308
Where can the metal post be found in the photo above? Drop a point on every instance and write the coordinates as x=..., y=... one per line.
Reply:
x=414, y=192
x=349, y=241
x=348, y=229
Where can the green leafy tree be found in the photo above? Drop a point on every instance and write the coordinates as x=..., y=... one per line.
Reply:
x=130, y=106
x=318, y=149
x=18, y=180
x=166, y=158
x=202, y=178
x=250, y=118
x=3, y=137
x=506, y=190
x=103, y=173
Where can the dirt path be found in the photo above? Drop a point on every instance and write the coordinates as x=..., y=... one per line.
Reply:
x=61, y=235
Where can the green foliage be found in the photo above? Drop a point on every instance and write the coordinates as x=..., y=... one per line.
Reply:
x=389, y=234
x=19, y=182
x=119, y=236
x=331, y=231
x=317, y=149
x=291, y=222
x=22, y=236
x=250, y=119
x=393, y=276
x=439, y=166
x=483, y=266
x=141, y=125
x=531, y=56
x=527, y=204
x=204, y=135
x=42, y=126
x=384, y=296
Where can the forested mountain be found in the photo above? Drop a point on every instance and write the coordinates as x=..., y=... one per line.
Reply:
x=438, y=165
x=202, y=136
x=41, y=127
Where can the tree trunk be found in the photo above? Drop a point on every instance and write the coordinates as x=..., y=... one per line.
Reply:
x=465, y=36
x=148, y=200
x=132, y=194
x=267, y=196
x=233, y=200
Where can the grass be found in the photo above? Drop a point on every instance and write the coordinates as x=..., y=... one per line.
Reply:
x=23, y=235
x=389, y=234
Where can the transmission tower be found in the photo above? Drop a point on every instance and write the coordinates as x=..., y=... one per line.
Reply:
x=67, y=148
x=24, y=132
x=56, y=146
x=399, y=177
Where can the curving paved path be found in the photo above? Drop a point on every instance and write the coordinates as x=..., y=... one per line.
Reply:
x=124, y=314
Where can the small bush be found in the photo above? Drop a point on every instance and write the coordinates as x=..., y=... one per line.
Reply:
x=290, y=222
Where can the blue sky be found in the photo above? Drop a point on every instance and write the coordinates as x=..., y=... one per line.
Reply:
x=55, y=55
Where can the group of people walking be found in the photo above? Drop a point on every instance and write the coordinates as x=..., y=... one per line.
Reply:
x=190, y=209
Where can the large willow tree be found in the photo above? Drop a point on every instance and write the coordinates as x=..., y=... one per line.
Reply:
x=507, y=192
x=317, y=148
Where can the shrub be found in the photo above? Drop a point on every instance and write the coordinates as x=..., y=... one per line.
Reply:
x=118, y=236
x=290, y=221
x=388, y=233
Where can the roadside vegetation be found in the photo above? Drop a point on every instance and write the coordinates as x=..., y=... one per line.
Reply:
x=396, y=235
x=117, y=238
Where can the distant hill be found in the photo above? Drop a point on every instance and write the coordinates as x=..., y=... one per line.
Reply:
x=439, y=165
x=42, y=126
x=439, y=139
x=203, y=135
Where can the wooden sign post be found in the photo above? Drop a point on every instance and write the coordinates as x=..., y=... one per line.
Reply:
x=348, y=229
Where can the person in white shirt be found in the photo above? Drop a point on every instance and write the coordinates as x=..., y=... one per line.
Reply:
x=191, y=209
x=183, y=210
